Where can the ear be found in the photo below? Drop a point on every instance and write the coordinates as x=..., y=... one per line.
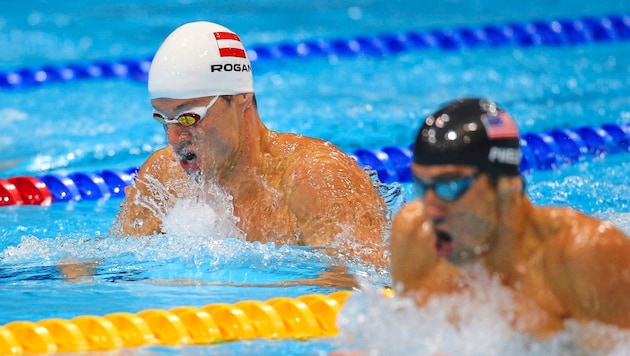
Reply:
x=242, y=100
x=510, y=207
x=509, y=192
x=247, y=100
x=509, y=187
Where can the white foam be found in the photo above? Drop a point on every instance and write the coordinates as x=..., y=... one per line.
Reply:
x=621, y=220
x=194, y=209
x=375, y=325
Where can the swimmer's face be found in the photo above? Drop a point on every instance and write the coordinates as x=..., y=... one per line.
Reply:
x=206, y=147
x=465, y=227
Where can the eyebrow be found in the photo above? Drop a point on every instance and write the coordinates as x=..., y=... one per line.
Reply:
x=181, y=106
x=179, y=109
x=445, y=176
x=450, y=175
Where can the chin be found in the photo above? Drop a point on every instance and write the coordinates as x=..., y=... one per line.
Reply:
x=461, y=257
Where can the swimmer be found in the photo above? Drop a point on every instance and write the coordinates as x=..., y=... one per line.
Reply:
x=471, y=207
x=285, y=188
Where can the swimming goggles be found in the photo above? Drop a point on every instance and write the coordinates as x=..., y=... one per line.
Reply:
x=190, y=117
x=448, y=190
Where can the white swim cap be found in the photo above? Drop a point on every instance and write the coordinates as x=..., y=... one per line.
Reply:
x=200, y=59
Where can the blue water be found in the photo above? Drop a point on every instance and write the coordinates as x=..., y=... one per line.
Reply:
x=355, y=102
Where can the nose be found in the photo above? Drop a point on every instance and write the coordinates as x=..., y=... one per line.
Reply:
x=176, y=133
x=433, y=205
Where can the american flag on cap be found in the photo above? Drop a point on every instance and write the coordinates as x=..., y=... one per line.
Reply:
x=229, y=45
x=500, y=126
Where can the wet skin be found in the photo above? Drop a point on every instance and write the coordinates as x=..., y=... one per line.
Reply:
x=559, y=262
x=286, y=188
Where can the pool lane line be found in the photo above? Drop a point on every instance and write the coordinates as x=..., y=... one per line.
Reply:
x=558, y=32
x=540, y=151
x=304, y=317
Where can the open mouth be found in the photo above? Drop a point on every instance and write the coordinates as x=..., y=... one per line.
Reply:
x=188, y=161
x=443, y=243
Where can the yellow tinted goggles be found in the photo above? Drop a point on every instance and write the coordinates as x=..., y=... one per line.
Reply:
x=189, y=117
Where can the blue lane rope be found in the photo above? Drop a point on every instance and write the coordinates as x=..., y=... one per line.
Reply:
x=559, y=32
x=541, y=151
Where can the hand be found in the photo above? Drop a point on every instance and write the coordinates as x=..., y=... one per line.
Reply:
x=74, y=270
x=335, y=277
x=412, y=247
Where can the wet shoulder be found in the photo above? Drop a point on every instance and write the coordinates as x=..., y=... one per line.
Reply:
x=573, y=235
x=304, y=145
x=569, y=223
x=584, y=262
x=311, y=156
x=161, y=163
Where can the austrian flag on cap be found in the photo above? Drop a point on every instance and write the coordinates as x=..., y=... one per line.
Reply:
x=200, y=59
x=229, y=45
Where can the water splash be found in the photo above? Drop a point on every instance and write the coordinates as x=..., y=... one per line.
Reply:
x=376, y=325
x=201, y=241
x=621, y=220
x=204, y=210
x=393, y=193
x=189, y=207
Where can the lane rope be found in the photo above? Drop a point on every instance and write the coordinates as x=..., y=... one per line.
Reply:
x=541, y=151
x=305, y=317
x=558, y=32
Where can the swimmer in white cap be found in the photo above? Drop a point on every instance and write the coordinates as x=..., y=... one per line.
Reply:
x=471, y=207
x=286, y=188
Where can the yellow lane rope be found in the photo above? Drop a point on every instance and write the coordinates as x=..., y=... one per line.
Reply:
x=304, y=317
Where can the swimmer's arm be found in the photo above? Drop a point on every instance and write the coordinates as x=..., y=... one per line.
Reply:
x=590, y=267
x=73, y=270
x=337, y=205
x=417, y=270
x=134, y=219
x=335, y=277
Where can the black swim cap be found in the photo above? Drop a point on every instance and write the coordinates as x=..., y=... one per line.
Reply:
x=472, y=132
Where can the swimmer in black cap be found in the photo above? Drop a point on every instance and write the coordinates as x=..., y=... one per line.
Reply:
x=561, y=263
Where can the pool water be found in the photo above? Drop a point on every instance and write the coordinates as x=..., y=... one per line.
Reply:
x=368, y=101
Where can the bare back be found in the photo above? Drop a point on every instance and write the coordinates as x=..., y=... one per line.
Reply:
x=307, y=192
x=587, y=265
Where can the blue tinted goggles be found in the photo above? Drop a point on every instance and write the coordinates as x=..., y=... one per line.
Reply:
x=447, y=190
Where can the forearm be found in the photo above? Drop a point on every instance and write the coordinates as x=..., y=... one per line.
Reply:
x=416, y=267
x=134, y=219
x=442, y=279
